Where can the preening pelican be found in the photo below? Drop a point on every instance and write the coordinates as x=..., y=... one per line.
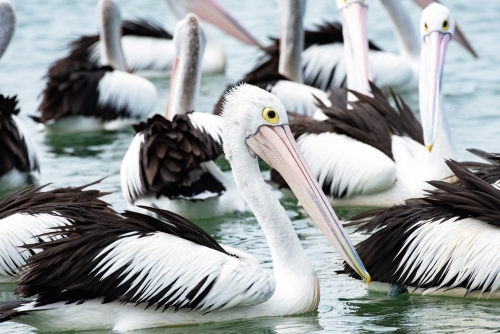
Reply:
x=324, y=66
x=442, y=244
x=374, y=155
x=133, y=271
x=18, y=159
x=170, y=162
x=28, y=214
x=283, y=77
x=88, y=97
x=149, y=49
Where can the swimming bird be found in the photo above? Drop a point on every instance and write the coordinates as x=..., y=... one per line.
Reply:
x=323, y=63
x=283, y=78
x=19, y=164
x=27, y=215
x=372, y=154
x=88, y=97
x=138, y=272
x=170, y=162
x=441, y=244
x=149, y=49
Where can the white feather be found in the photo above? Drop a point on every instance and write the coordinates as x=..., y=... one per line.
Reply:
x=20, y=229
x=130, y=171
x=150, y=55
x=184, y=264
x=126, y=91
x=299, y=98
x=466, y=247
x=211, y=124
x=30, y=144
x=351, y=166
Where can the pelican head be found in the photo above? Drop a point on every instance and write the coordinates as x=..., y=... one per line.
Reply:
x=353, y=13
x=256, y=125
x=436, y=28
x=190, y=42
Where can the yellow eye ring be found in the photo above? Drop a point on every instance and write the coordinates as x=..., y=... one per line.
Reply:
x=270, y=115
x=426, y=27
x=446, y=25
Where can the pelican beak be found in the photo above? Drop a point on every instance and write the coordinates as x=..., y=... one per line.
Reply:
x=168, y=111
x=212, y=12
x=432, y=63
x=277, y=147
x=354, y=26
x=458, y=36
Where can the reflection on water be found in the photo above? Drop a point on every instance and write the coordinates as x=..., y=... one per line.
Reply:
x=84, y=144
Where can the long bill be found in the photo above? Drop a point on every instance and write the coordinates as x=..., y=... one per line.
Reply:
x=212, y=12
x=356, y=42
x=277, y=147
x=431, y=73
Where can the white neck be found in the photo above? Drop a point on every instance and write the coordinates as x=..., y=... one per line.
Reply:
x=110, y=36
x=296, y=283
x=7, y=25
x=291, y=38
x=186, y=81
x=443, y=146
x=406, y=34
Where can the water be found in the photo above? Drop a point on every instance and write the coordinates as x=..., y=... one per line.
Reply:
x=472, y=104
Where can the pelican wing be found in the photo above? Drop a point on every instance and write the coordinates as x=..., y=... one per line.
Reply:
x=28, y=215
x=489, y=172
x=16, y=149
x=170, y=158
x=447, y=238
x=139, y=259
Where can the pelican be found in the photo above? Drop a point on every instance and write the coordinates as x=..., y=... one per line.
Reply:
x=324, y=66
x=489, y=172
x=170, y=162
x=118, y=267
x=28, y=214
x=87, y=97
x=19, y=164
x=149, y=49
x=283, y=77
x=441, y=244
x=371, y=154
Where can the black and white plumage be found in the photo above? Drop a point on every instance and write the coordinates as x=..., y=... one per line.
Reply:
x=443, y=243
x=129, y=271
x=82, y=96
x=170, y=162
x=26, y=215
x=362, y=132
x=489, y=172
x=19, y=164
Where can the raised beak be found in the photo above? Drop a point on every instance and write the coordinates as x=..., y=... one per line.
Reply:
x=212, y=12
x=431, y=72
x=354, y=24
x=277, y=147
x=458, y=36
x=168, y=112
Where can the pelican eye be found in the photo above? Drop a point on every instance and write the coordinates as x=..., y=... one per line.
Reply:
x=426, y=27
x=270, y=115
x=446, y=25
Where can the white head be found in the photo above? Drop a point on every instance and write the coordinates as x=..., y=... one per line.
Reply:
x=7, y=24
x=190, y=42
x=436, y=29
x=353, y=13
x=110, y=34
x=256, y=125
